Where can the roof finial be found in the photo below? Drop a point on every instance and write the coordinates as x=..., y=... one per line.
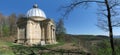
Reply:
x=35, y=6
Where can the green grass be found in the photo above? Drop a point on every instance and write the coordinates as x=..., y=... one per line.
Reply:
x=5, y=48
x=3, y=43
x=9, y=48
x=101, y=48
x=6, y=51
x=54, y=45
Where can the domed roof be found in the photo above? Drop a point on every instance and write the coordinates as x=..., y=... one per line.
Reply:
x=35, y=12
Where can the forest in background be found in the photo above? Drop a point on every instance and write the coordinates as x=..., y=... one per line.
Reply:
x=8, y=25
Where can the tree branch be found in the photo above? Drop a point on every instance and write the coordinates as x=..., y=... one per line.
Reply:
x=70, y=7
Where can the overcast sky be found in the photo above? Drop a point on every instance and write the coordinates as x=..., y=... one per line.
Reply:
x=80, y=20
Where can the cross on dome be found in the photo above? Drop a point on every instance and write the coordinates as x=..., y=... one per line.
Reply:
x=35, y=6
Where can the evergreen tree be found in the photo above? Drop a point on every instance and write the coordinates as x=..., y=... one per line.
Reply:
x=60, y=29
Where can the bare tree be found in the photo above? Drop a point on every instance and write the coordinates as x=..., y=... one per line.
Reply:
x=12, y=23
x=114, y=10
x=108, y=12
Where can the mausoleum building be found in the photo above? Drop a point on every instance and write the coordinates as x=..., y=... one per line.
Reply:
x=36, y=28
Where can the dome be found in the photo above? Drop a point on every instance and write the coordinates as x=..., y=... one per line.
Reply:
x=35, y=12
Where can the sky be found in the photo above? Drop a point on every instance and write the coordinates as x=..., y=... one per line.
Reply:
x=80, y=20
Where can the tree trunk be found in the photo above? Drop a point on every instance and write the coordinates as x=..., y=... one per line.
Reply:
x=110, y=27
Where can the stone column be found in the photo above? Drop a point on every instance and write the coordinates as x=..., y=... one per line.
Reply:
x=28, y=34
x=54, y=36
x=48, y=33
x=42, y=36
x=18, y=33
x=42, y=33
x=45, y=32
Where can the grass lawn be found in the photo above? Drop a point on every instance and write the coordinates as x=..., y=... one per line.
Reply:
x=9, y=48
x=5, y=48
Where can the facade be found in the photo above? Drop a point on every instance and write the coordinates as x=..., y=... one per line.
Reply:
x=36, y=28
